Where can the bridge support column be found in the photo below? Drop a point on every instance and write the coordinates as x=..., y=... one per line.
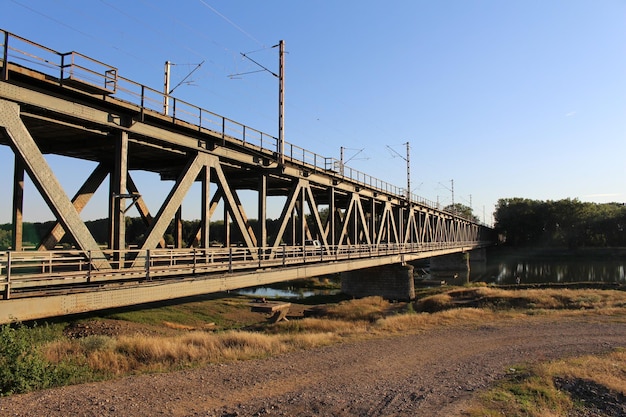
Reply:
x=18, y=204
x=462, y=263
x=392, y=282
x=451, y=262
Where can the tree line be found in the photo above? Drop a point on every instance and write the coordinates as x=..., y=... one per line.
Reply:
x=561, y=223
x=136, y=231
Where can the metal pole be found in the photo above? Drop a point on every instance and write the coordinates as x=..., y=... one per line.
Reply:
x=166, y=88
x=5, y=58
x=281, y=102
x=452, y=189
x=341, y=160
x=7, y=289
x=408, y=172
x=148, y=260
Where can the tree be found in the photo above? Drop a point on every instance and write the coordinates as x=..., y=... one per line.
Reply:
x=463, y=211
x=566, y=222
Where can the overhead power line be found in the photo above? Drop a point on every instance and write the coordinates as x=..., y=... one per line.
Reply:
x=230, y=22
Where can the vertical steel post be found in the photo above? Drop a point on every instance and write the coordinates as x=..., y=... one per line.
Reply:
x=18, y=203
x=262, y=212
x=119, y=194
x=205, y=240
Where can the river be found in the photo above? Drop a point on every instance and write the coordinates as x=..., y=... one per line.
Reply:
x=550, y=266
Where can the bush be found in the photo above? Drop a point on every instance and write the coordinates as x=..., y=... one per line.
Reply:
x=23, y=368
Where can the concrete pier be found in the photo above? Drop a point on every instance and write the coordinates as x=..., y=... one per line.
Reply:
x=392, y=282
x=460, y=263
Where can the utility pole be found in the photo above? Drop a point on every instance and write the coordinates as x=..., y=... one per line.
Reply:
x=281, y=95
x=343, y=162
x=166, y=88
x=281, y=102
x=408, y=172
x=408, y=168
x=453, y=207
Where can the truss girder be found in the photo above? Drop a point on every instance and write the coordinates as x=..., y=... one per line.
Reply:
x=46, y=182
x=354, y=217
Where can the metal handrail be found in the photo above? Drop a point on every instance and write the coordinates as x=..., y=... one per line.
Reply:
x=30, y=270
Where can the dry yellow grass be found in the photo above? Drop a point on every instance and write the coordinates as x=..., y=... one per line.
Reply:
x=549, y=299
x=421, y=322
x=609, y=370
x=368, y=309
x=367, y=317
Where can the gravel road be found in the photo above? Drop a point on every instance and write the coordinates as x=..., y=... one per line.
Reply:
x=430, y=374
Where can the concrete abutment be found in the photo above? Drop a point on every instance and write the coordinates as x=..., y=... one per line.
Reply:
x=392, y=282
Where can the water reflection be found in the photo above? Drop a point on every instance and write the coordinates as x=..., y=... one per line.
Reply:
x=540, y=271
x=291, y=292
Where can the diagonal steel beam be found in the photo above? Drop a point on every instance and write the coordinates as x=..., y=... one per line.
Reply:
x=316, y=215
x=173, y=201
x=235, y=208
x=361, y=214
x=46, y=182
x=141, y=206
x=80, y=200
x=288, y=208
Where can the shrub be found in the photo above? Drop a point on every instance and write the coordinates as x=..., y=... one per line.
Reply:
x=22, y=367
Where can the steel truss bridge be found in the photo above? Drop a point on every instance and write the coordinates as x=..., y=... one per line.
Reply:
x=72, y=105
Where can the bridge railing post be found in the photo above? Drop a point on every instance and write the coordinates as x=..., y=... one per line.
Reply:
x=223, y=131
x=7, y=289
x=230, y=259
x=143, y=98
x=148, y=261
x=90, y=266
x=284, y=260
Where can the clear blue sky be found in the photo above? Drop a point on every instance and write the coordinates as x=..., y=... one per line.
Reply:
x=515, y=98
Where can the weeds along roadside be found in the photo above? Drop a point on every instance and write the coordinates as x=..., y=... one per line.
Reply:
x=42, y=357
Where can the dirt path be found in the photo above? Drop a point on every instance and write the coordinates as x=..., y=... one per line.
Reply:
x=430, y=374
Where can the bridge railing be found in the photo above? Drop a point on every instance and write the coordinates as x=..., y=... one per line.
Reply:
x=27, y=271
x=79, y=71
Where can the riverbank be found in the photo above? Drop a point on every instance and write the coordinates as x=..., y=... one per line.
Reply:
x=222, y=329
x=401, y=365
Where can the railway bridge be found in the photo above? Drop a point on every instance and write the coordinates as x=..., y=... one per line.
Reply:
x=333, y=219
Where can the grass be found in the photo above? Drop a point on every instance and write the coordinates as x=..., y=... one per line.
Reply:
x=532, y=299
x=533, y=392
x=221, y=329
